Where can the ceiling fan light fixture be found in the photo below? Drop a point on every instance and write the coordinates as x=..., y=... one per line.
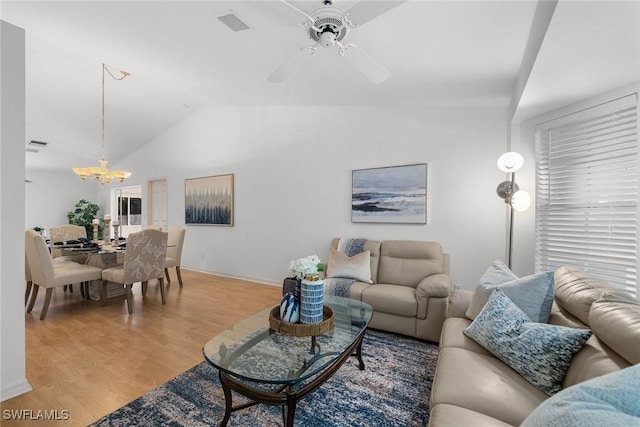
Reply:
x=327, y=39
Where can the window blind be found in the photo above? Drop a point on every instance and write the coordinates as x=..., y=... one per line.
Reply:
x=587, y=192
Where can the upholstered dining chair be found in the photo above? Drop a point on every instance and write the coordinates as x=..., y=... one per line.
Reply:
x=174, y=252
x=45, y=273
x=64, y=233
x=154, y=227
x=143, y=261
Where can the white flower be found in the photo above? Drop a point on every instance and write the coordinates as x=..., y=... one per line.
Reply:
x=302, y=266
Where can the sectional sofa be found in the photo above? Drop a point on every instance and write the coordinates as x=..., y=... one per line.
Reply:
x=472, y=387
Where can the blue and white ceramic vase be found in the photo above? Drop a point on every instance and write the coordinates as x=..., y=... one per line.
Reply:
x=289, y=308
x=311, y=299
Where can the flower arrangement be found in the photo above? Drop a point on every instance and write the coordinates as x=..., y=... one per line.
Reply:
x=303, y=266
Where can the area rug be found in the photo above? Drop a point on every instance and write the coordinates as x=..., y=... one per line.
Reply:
x=393, y=390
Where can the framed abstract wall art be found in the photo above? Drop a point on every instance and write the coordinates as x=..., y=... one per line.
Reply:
x=396, y=194
x=209, y=200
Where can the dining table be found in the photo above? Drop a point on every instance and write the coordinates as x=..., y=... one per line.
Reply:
x=104, y=256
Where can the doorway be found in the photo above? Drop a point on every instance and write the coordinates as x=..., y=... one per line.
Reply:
x=128, y=209
x=158, y=203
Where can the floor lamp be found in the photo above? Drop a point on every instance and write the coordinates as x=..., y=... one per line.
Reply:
x=516, y=199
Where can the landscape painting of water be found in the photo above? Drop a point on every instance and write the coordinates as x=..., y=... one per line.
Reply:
x=390, y=194
x=209, y=200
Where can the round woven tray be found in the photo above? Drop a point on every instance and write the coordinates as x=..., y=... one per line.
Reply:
x=301, y=329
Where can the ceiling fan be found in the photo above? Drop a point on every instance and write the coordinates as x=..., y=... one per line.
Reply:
x=328, y=26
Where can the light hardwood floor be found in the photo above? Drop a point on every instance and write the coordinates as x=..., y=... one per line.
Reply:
x=90, y=360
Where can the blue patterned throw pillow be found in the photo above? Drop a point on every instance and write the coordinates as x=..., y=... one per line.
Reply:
x=611, y=400
x=540, y=352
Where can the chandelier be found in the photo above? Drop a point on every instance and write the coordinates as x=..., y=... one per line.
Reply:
x=102, y=173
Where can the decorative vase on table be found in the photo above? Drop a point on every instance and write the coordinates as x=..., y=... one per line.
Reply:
x=311, y=299
x=289, y=308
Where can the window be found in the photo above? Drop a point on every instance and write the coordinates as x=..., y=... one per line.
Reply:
x=587, y=192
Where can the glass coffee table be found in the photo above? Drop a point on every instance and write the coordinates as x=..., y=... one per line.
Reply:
x=279, y=369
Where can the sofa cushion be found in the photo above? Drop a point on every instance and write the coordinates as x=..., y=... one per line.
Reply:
x=594, y=359
x=356, y=267
x=541, y=353
x=609, y=400
x=615, y=319
x=444, y=415
x=399, y=300
x=452, y=335
x=484, y=384
x=576, y=290
x=532, y=294
x=407, y=262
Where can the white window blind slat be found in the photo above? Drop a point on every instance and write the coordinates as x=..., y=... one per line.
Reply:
x=587, y=210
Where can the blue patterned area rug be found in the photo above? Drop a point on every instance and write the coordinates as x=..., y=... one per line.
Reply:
x=393, y=390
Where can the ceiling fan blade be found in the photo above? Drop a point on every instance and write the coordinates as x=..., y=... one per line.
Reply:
x=372, y=69
x=364, y=11
x=288, y=66
x=308, y=18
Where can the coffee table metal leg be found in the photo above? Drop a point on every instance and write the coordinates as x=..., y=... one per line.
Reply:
x=359, y=353
x=228, y=403
x=291, y=407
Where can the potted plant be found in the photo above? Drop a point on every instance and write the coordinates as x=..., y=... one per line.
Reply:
x=83, y=215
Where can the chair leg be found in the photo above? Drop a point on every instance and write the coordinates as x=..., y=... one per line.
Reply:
x=27, y=292
x=166, y=273
x=34, y=295
x=129, y=298
x=82, y=289
x=162, y=291
x=71, y=288
x=179, y=275
x=47, y=300
x=144, y=288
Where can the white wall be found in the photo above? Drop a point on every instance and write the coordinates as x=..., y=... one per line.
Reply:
x=13, y=379
x=293, y=167
x=51, y=195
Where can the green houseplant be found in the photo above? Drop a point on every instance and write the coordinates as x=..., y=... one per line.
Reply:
x=83, y=215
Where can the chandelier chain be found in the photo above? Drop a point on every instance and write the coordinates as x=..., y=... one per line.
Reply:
x=124, y=75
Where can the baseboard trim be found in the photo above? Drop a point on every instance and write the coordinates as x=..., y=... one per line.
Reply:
x=232, y=276
x=15, y=390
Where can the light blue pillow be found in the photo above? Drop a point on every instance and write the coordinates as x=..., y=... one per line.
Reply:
x=497, y=273
x=541, y=353
x=532, y=294
x=611, y=400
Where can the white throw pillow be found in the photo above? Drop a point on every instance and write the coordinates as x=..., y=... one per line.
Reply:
x=357, y=267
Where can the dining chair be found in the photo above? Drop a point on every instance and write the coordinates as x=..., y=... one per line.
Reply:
x=45, y=273
x=143, y=261
x=27, y=278
x=174, y=252
x=154, y=227
x=64, y=233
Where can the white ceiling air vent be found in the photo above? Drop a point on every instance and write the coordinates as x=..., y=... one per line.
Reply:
x=35, y=146
x=231, y=20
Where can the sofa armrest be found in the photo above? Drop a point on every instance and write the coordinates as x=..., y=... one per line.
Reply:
x=459, y=302
x=434, y=286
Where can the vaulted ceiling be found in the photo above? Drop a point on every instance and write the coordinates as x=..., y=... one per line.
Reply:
x=181, y=57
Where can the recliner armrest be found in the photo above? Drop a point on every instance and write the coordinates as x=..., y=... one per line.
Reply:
x=434, y=286
x=459, y=302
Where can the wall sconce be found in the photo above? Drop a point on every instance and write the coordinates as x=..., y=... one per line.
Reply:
x=516, y=199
